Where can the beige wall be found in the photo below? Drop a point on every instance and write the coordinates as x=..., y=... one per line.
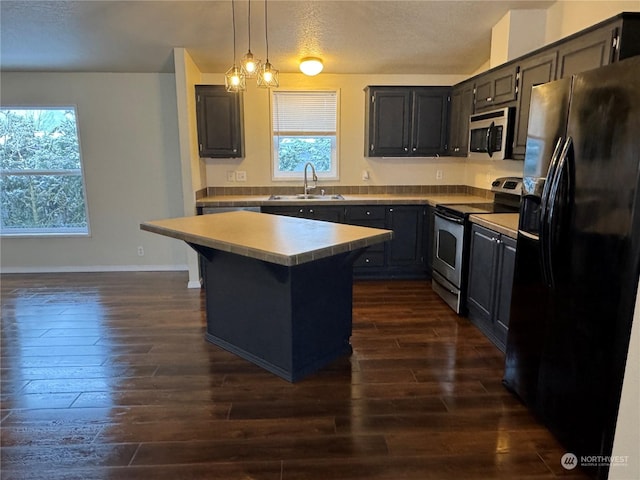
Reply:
x=129, y=144
x=565, y=18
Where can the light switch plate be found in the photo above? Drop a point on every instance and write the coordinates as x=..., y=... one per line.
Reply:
x=231, y=176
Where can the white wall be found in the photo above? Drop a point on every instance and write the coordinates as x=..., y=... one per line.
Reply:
x=565, y=18
x=129, y=144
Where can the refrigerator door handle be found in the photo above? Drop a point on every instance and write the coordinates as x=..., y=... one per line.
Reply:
x=564, y=169
x=543, y=228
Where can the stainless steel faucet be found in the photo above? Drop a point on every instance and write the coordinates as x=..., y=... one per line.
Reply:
x=314, y=178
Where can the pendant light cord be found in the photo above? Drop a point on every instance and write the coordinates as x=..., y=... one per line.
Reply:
x=266, y=30
x=233, y=19
x=249, y=25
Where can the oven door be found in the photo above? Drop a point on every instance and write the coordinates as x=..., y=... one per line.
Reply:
x=448, y=242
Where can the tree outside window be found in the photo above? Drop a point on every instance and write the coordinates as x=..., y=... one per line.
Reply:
x=41, y=184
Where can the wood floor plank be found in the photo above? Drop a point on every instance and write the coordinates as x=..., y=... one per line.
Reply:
x=108, y=375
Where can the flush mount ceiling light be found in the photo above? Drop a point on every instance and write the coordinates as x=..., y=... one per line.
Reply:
x=250, y=65
x=267, y=76
x=311, y=66
x=234, y=79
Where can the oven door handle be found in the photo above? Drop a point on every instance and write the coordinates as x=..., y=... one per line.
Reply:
x=459, y=221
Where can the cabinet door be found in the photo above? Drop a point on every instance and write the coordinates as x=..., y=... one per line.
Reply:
x=496, y=87
x=220, y=123
x=389, y=122
x=533, y=71
x=405, y=249
x=461, y=109
x=504, y=286
x=482, y=265
x=586, y=52
x=430, y=116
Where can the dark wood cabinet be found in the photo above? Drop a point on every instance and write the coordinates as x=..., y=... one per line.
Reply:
x=533, y=71
x=220, y=122
x=496, y=87
x=490, y=282
x=402, y=257
x=406, y=121
x=405, y=252
x=461, y=110
x=325, y=213
x=588, y=51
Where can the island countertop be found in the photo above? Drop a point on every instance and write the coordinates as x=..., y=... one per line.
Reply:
x=272, y=238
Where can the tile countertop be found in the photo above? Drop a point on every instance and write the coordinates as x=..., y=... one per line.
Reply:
x=504, y=223
x=348, y=199
x=272, y=238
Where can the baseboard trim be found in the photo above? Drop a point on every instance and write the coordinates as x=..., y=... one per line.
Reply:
x=97, y=268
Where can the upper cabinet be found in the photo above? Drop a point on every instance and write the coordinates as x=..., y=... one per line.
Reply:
x=510, y=84
x=534, y=71
x=496, y=87
x=406, y=121
x=461, y=110
x=220, y=122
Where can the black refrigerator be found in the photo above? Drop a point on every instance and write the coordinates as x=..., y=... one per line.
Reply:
x=578, y=257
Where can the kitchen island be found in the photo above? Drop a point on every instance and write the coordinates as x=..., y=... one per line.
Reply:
x=278, y=289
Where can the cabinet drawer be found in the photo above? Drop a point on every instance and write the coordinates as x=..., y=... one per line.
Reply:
x=366, y=213
x=370, y=258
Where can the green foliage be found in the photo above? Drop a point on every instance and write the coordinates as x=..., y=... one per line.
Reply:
x=41, y=181
x=294, y=152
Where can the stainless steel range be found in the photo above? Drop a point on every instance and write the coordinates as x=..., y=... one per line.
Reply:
x=452, y=237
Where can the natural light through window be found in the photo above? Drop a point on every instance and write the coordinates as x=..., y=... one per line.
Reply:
x=305, y=129
x=41, y=184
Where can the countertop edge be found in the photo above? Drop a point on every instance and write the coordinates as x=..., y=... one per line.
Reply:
x=269, y=256
x=498, y=223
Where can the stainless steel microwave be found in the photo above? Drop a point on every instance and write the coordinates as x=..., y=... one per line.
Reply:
x=491, y=134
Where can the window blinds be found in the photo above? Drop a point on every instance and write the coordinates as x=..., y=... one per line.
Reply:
x=304, y=113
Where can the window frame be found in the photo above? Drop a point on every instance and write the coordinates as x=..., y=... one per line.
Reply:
x=334, y=173
x=74, y=232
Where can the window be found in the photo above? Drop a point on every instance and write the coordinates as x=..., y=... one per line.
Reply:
x=304, y=130
x=41, y=183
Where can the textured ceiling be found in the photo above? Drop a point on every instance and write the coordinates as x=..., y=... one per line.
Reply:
x=409, y=37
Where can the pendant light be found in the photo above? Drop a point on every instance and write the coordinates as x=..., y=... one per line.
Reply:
x=267, y=76
x=250, y=65
x=234, y=79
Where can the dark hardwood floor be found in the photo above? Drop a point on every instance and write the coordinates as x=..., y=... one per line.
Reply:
x=108, y=376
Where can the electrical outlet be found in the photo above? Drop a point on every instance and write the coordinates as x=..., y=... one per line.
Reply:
x=231, y=176
x=365, y=174
x=241, y=176
x=439, y=175
x=140, y=251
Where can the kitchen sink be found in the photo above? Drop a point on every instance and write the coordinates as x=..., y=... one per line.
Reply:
x=306, y=197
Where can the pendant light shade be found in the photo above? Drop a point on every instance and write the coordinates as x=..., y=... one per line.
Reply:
x=311, y=66
x=234, y=79
x=250, y=65
x=267, y=76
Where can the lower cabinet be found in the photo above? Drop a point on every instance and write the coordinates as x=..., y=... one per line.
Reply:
x=405, y=256
x=491, y=268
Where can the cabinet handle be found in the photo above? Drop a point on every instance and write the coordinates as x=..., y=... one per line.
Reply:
x=368, y=212
x=301, y=210
x=489, y=99
x=406, y=149
x=457, y=149
x=414, y=149
x=391, y=210
x=366, y=260
x=311, y=210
